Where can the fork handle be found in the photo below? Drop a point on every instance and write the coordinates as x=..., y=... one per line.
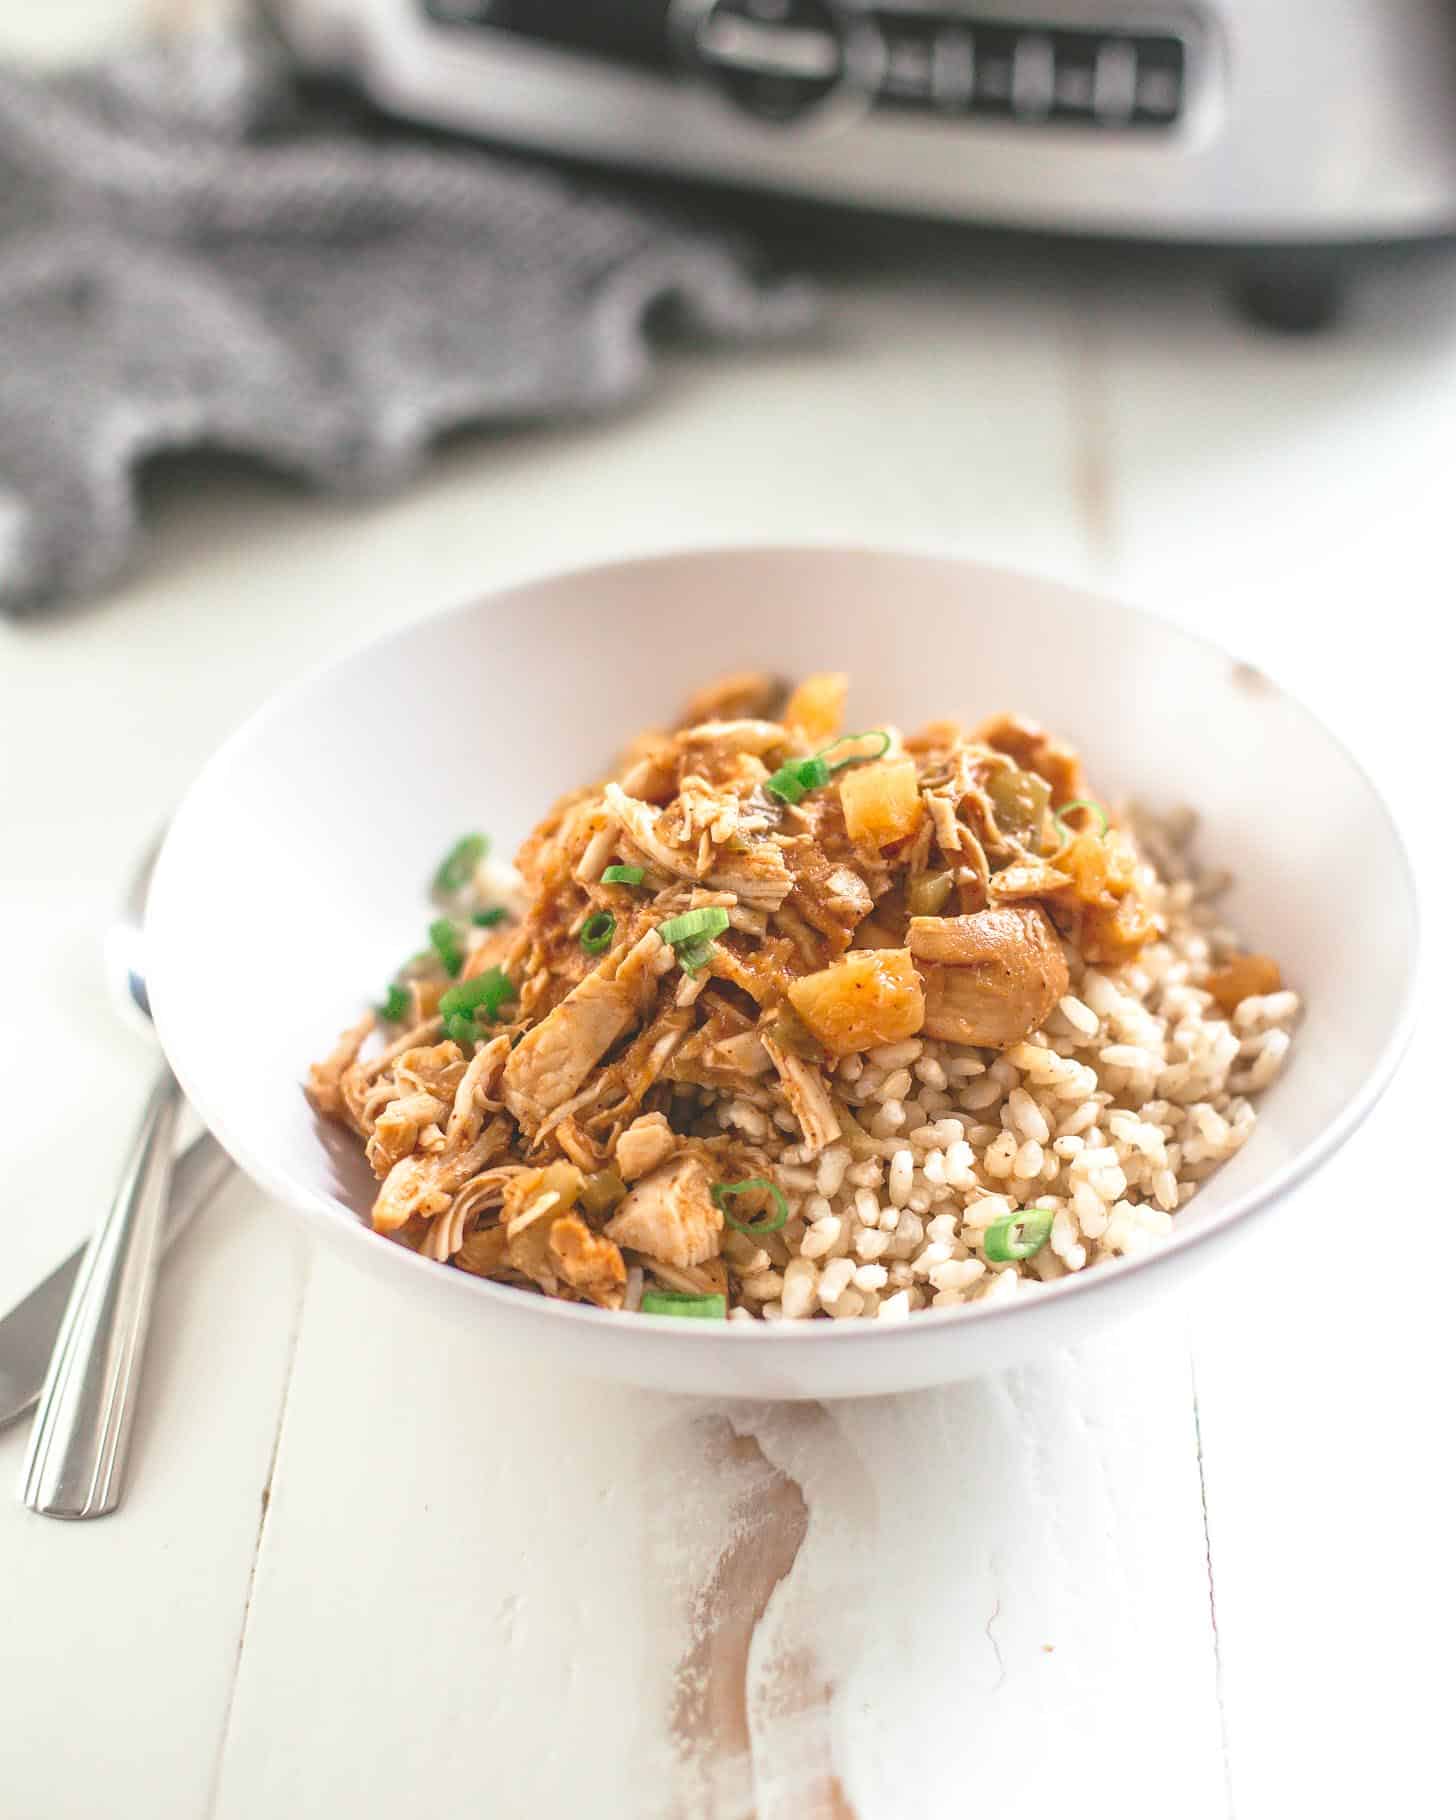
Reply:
x=77, y=1456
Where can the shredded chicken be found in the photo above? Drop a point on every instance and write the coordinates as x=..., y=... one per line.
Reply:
x=990, y=979
x=807, y=1092
x=701, y=943
x=670, y=1214
x=553, y=1060
x=645, y=1143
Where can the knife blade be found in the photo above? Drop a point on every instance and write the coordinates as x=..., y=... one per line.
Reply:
x=28, y=1332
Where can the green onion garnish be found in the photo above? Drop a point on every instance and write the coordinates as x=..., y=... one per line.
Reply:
x=487, y=992
x=462, y=1029
x=1080, y=803
x=597, y=932
x=396, y=1006
x=458, y=866
x=471, y=994
x=692, y=957
x=691, y=935
x=711, y=921
x=445, y=940
x=723, y=1192
x=487, y=919
x=474, y=998
x=857, y=758
x=623, y=875
x=501, y=992
x=793, y=781
x=693, y=1307
x=1018, y=1235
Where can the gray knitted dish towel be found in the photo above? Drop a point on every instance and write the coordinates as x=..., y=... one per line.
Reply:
x=193, y=252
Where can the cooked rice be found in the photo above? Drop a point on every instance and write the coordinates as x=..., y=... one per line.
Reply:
x=1132, y=1094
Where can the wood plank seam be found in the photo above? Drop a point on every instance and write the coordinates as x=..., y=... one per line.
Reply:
x=1218, y=1680
x=265, y=1499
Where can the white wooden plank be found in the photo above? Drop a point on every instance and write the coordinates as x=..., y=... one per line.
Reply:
x=1298, y=495
x=477, y=1573
x=442, y=1612
x=999, y=1578
x=119, y=1638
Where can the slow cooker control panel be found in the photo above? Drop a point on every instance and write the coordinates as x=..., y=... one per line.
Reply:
x=1082, y=75
x=789, y=61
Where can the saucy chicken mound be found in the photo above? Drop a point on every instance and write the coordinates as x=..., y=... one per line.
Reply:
x=751, y=897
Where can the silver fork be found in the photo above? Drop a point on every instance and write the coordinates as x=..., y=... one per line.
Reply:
x=75, y=1465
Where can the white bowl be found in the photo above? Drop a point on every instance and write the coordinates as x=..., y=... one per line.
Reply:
x=293, y=881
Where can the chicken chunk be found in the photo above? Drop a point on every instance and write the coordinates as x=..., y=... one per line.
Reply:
x=590, y=1265
x=397, y=1129
x=645, y=1143
x=990, y=979
x=552, y=1060
x=756, y=875
x=324, y=1078
x=832, y=898
x=808, y=1095
x=533, y=1202
x=670, y=1215
x=484, y=1253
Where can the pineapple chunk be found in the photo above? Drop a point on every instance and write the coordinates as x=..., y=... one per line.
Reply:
x=881, y=802
x=872, y=996
x=816, y=707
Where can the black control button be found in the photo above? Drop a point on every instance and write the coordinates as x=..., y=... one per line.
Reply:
x=909, y=73
x=961, y=65
x=1158, y=90
x=776, y=59
x=1074, y=83
x=994, y=77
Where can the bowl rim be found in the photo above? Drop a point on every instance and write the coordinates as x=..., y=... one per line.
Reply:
x=335, y=1217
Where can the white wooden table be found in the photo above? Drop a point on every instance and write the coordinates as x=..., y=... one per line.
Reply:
x=1202, y=1568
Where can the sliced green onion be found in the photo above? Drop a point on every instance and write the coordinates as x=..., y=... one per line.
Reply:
x=458, y=866
x=692, y=1307
x=499, y=991
x=487, y=919
x=623, y=875
x=1018, y=1235
x=723, y=1192
x=597, y=932
x=445, y=940
x=693, y=956
x=1080, y=803
x=856, y=758
x=396, y=1005
x=468, y=995
x=487, y=992
x=691, y=935
x=711, y=921
x=794, y=780
x=462, y=1029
